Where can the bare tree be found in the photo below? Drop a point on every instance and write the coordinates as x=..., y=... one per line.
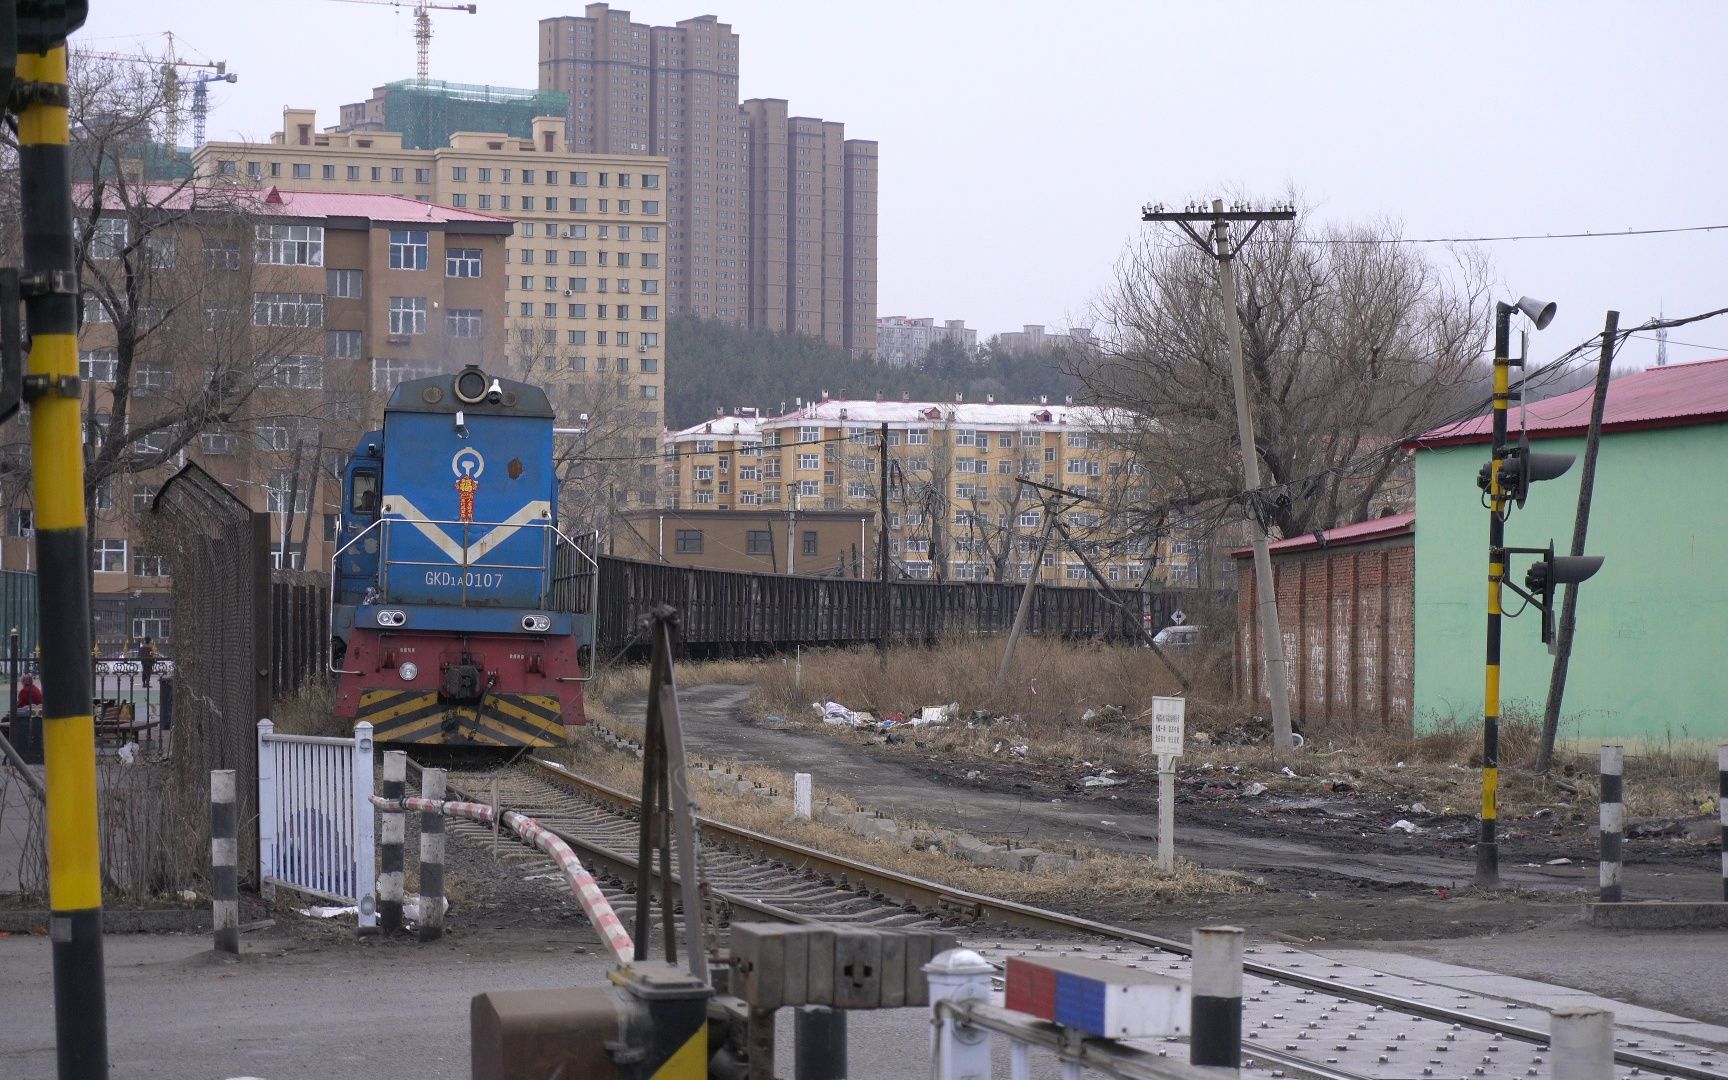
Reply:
x=1350, y=345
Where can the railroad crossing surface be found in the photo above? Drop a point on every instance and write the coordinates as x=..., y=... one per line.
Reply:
x=299, y=1006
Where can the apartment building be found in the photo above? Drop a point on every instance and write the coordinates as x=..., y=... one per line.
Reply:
x=762, y=540
x=1032, y=337
x=902, y=342
x=773, y=216
x=812, y=227
x=956, y=508
x=585, y=291
x=319, y=301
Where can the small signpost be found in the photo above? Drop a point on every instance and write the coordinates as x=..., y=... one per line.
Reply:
x=1167, y=722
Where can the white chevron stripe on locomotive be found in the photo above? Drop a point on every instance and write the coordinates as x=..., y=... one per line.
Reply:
x=398, y=508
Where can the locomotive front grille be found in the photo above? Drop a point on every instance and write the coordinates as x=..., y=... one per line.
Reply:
x=423, y=716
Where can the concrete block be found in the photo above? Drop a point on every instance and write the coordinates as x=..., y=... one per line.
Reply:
x=833, y=815
x=1019, y=860
x=1658, y=915
x=1048, y=862
x=743, y=787
x=881, y=829
x=972, y=849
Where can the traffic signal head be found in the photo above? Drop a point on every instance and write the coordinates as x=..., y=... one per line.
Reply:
x=1547, y=573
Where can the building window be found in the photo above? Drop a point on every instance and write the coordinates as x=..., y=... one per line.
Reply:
x=343, y=344
x=464, y=323
x=485, y=200
x=422, y=176
x=462, y=262
x=459, y=200
x=503, y=202
x=407, y=314
x=377, y=173
x=459, y=174
x=649, y=206
x=527, y=202
x=298, y=372
x=689, y=541
x=218, y=255
x=342, y=284
x=578, y=179
x=551, y=202
x=809, y=542
x=108, y=556
x=408, y=249
x=650, y=260
x=97, y=365
x=388, y=371
x=302, y=171
x=396, y=175
x=287, y=309
x=290, y=245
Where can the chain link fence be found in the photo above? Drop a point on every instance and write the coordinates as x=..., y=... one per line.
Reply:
x=218, y=551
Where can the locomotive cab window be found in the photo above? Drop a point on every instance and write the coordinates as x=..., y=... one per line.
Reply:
x=365, y=498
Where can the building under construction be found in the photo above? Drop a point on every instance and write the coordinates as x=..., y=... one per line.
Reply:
x=427, y=114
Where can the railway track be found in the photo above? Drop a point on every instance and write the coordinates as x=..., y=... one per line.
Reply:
x=1304, y=1015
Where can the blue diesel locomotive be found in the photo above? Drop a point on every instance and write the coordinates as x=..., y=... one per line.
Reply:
x=455, y=614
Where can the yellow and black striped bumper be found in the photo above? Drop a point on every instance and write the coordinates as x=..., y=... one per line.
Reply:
x=418, y=716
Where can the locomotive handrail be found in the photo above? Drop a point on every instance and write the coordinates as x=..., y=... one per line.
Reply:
x=335, y=586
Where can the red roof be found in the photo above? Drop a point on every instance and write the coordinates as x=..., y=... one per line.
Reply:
x=1673, y=396
x=300, y=204
x=1381, y=528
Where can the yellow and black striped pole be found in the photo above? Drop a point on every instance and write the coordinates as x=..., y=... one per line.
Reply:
x=52, y=389
x=1487, y=844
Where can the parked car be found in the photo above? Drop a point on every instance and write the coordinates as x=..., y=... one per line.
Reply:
x=1179, y=637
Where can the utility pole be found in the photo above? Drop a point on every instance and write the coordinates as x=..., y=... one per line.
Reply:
x=1580, y=526
x=1265, y=590
x=882, y=532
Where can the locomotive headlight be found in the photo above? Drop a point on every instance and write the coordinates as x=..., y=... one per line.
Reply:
x=536, y=624
x=407, y=670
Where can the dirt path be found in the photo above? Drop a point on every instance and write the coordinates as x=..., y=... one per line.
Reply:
x=1321, y=885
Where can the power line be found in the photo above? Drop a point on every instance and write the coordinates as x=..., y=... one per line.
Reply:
x=1332, y=240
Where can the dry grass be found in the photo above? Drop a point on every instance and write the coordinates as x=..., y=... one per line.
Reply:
x=1043, y=703
x=1119, y=877
x=311, y=711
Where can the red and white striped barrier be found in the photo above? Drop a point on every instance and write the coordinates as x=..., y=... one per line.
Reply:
x=594, y=902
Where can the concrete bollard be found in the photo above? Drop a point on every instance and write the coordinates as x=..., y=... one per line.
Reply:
x=1722, y=809
x=1215, y=1001
x=1581, y=1043
x=819, y=1043
x=224, y=851
x=431, y=858
x=1613, y=820
x=801, y=795
x=392, y=833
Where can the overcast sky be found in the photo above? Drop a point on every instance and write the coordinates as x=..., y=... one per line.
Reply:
x=1019, y=140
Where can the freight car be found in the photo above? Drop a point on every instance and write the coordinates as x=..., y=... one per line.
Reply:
x=455, y=618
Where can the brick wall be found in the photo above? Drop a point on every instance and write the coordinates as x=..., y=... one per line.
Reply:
x=1346, y=615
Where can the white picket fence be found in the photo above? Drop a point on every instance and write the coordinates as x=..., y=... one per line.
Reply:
x=316, y=832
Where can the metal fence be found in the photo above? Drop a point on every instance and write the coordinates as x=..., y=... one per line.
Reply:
x=219, y=554
x=299, y=629
x=316, y=830
x=18, y=607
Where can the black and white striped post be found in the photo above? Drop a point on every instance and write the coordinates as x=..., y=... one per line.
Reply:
x=391, y=835
x=431, y=858
x=1215, y=1001
x=224, y=877
x=1613, y=821
x=1722, y=809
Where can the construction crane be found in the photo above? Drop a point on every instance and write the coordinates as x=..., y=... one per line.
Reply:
x=422, y=27
x=170, y=65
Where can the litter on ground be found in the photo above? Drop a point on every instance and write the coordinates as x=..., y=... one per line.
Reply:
x=1404, y=826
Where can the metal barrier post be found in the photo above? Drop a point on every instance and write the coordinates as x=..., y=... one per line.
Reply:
x=961, y=1051
x=1613, y=820
x=819, y=1043
x=394, y=831
x=269, y=804
x=431, y=858
x=224, y=875
x=365, y=842
x=1215, y=1005
x=1581, y=1041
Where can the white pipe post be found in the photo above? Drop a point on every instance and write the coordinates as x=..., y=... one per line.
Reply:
x=1722, y=809
x=1166, y=812
x=1613, y=821
x=1581, y=1043
x=393, y=831
x=365, y=831
x=268, y=803
x=961, y=1051
x=801, y=796
x=431, y=858
x=224, y=875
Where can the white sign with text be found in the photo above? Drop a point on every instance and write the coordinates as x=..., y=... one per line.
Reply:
x=1167, y=718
